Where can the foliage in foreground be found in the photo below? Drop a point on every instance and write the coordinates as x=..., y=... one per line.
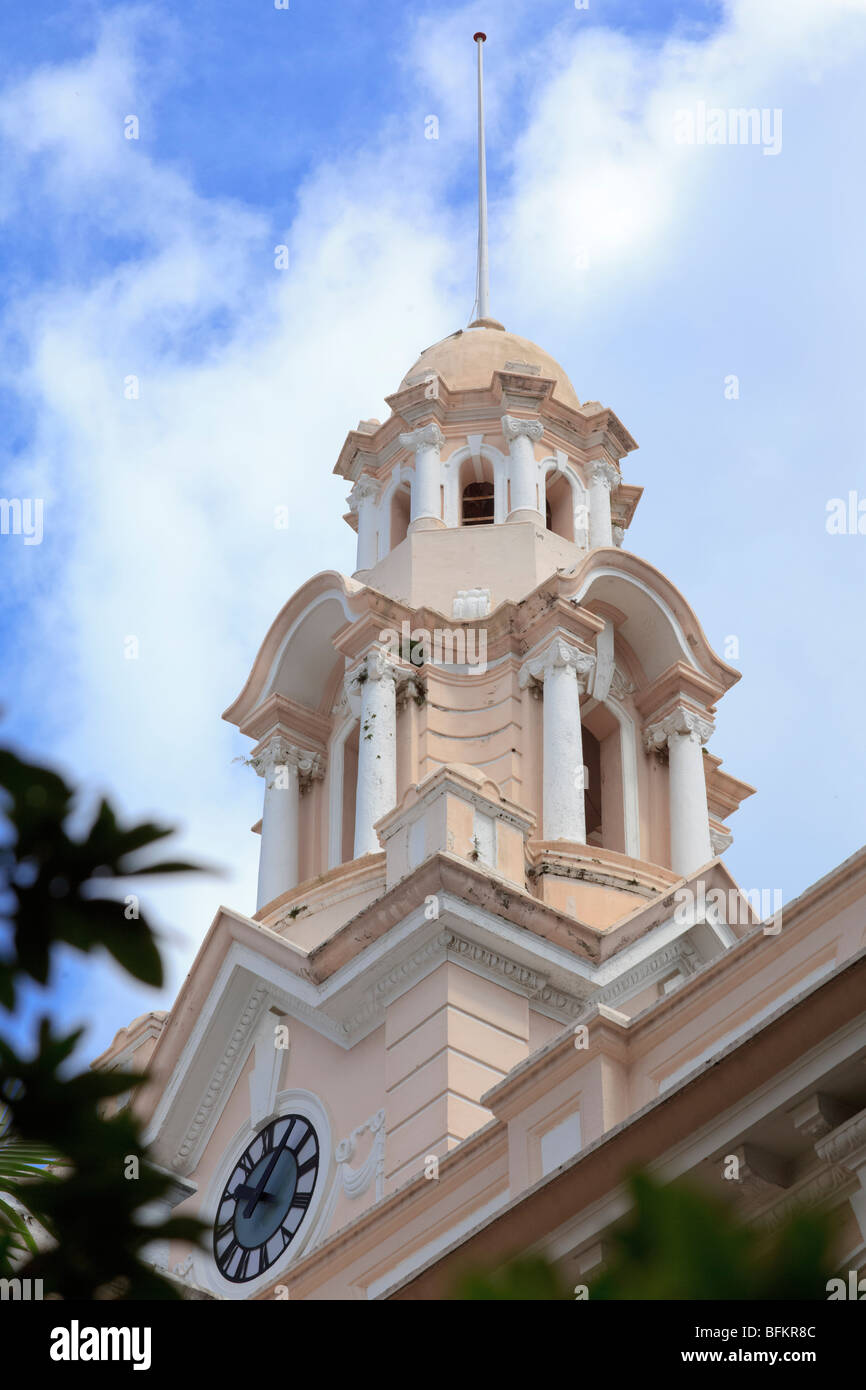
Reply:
x=678, y=1243
x=61, y=1157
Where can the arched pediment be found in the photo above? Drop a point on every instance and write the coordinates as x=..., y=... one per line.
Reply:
x=298, y=657
x=657, y=623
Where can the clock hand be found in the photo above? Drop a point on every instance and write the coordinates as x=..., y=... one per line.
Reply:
x=243, y=1191
x=256, y=1193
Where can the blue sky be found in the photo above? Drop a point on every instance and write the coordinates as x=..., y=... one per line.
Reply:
x=653, y=270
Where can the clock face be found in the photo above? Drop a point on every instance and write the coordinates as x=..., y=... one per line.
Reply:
x=266, y=1198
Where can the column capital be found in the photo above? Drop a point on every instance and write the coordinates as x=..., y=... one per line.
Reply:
x=557, y=654
x=365, y=488
x=513, y=427
x=604, y=473
x=427, y=436
x=376, y=665
x=680, y=721
x=281, y=752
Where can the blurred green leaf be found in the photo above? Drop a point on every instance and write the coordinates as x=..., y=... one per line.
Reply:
x=89, y=1206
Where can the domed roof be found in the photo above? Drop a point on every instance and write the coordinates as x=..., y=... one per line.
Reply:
x=468, y=359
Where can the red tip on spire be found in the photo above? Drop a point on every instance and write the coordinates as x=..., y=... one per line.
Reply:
x=479, y=35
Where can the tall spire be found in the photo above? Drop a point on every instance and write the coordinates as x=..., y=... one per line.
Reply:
x=482, y=286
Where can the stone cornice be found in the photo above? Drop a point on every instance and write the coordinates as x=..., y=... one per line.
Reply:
x=678, y=955
x=624, y=504
x=679, y=684
x=543, y=613
x=363, y=452
x=446, y=873
x=483, y=794
x=446, y=945
x=279, y=715
x=560, y=1058
x=480, y=889
x=606, y=867
x=589, y=429
x=724, y=793
x=513, y=628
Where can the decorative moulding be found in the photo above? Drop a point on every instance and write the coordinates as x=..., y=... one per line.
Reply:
x=678, y=955
x=354, y=1182
x=220, y=1084
x=846, y=1146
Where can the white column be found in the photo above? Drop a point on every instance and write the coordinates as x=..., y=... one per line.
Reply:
x=522, y=437
x=427, y=478
x=684, y=732
x=376, y=682
x=362, y=501
x=563, y=670
x=282, y=764
x=603, y=478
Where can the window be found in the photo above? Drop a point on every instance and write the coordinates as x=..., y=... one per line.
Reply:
x=592, y=785
x=559, y=505
x=400, y=513
x=478, y=504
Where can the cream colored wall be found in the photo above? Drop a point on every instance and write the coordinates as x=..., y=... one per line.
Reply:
x=429, y=567
x=478, y=720
x=448, y=1040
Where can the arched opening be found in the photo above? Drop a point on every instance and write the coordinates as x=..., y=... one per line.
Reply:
x=477, y=493
x=559, y=505
x=401, y=512
x=350, y=787
x=478, y=504
x=592, y=786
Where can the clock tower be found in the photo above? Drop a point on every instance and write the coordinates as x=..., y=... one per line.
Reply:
x=487, y=767
x=493, y=822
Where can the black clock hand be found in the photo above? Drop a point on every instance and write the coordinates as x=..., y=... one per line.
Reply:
x=243, y=1191
x=256, y=1193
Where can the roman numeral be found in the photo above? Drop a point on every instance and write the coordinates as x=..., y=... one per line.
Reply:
x=228, y=1255
x=302, y=1200
x=246, y=1163
x=243, y=1265
x=309, y=1165
x=267, y=1138
x=223, y=1230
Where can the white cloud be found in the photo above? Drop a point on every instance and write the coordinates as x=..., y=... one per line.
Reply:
x=601, y=185
x=166, y=502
